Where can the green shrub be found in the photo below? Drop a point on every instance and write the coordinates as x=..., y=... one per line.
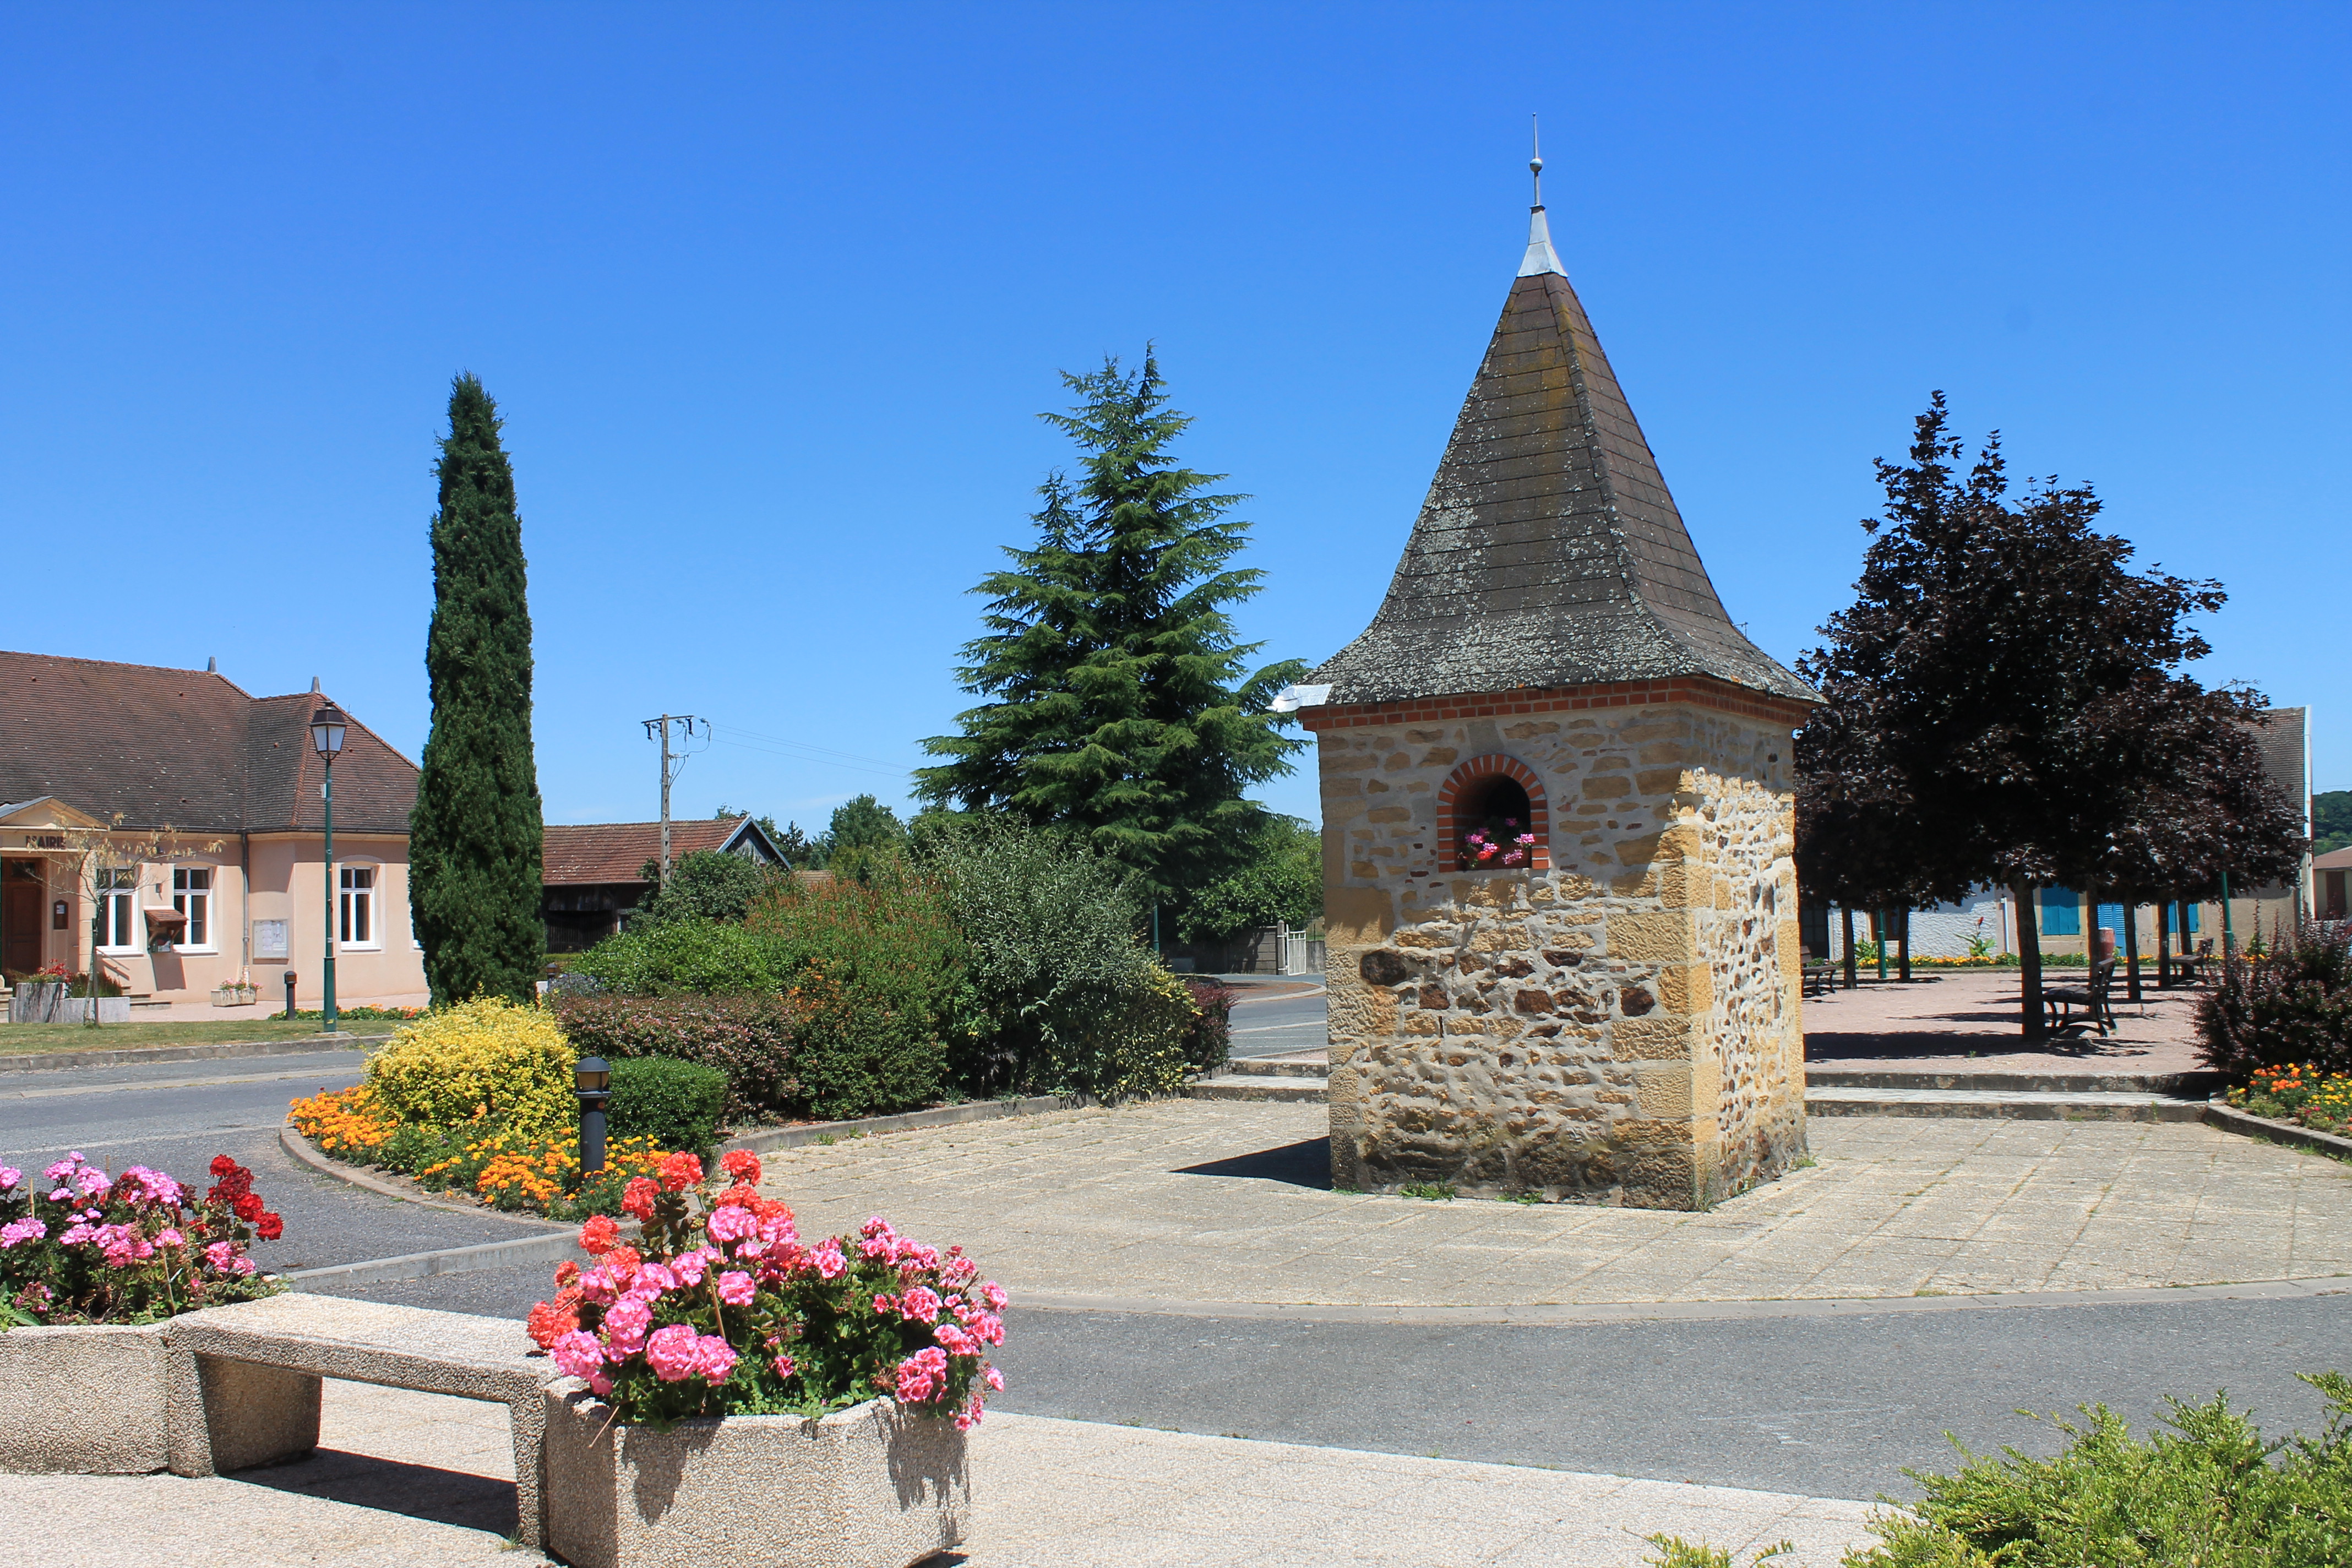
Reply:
x=1280, y=883
x=750, y=1040
x=2211, y=1492
x=876, y=970
x=680, y=958
x=675, y=1103
x=2292, y=1006
x=1070, y=999
x=486, y=1057
x=710, y=885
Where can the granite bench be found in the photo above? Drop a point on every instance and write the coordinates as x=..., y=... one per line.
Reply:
x=257, y=1367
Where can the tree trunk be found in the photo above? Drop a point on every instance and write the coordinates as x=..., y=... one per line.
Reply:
x=2164, y=945
x=1845, y=920
x=1879, y=925
x=2029, y=957
x=2131, y=951
x=1903, y=925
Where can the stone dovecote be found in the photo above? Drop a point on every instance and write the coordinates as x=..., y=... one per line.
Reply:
x=1558, y=820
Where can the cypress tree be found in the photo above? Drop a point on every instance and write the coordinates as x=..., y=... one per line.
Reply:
x=474, y=838
x=1121, y=704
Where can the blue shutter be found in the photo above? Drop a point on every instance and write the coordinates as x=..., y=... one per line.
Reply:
x=2112, y=917
x=2061, y=912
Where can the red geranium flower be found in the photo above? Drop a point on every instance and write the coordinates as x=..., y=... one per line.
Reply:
x=681, y=1171
x=269, y=1226
x=246, y=1207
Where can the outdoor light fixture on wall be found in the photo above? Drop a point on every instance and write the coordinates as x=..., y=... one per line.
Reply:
x=591, y=1079
x=326, y=739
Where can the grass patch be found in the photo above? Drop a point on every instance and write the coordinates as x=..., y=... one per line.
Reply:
x=1430, y=1191
x=17, y=1039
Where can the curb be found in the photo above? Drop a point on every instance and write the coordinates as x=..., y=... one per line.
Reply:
x=1543, y=1316
x=938, y=1116
x=2228, y=1119
x=308, y=1154
x=552, y=1249
x=49, y=1061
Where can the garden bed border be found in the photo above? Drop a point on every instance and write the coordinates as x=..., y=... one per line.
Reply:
x=2230, y=1118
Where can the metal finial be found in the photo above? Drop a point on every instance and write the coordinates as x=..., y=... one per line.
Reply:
x=1534, y=165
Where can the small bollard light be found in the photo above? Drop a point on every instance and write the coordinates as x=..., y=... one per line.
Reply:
x=290, y=978
x=591, y=1079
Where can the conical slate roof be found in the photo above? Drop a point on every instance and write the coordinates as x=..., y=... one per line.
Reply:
x=1548, y=553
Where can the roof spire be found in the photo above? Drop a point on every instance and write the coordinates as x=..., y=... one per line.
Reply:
x=1540, y=258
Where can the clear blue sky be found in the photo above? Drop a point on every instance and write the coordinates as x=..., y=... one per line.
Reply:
x=770, y=297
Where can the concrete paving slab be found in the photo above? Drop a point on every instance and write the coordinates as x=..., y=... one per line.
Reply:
x=421, y=1479
x=1167, y=1201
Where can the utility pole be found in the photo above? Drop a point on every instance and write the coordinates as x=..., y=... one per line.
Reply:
x=658, y=729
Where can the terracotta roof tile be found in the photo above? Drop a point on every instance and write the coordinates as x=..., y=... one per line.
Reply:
x=185, y=748
x=608, y=852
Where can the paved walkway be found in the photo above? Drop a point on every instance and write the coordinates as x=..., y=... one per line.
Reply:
x=1967, y=1021
x=1220, y=1201
x=428, y=1482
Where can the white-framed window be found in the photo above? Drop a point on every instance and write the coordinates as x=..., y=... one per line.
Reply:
x=118, y=902
x=191, y=895
x=355, y=910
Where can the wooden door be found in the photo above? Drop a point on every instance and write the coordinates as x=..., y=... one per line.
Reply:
x=21, y=892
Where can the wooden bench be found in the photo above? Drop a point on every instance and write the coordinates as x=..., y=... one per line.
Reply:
x=257, y=1368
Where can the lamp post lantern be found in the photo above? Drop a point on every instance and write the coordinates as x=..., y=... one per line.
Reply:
x=327, y=740
x=591, y=1079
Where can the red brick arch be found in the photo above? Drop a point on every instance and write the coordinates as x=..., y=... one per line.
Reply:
x=1462, y=785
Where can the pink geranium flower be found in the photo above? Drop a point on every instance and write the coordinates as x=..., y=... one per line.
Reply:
x=672, y=1353
x=735, y=1289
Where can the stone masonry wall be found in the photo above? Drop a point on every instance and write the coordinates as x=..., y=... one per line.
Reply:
x=1622, y=1027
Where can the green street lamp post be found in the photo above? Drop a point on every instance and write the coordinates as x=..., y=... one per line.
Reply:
x=327, y=740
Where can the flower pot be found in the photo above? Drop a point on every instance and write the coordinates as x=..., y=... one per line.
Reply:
x=37, y=1002
x=870, y=1487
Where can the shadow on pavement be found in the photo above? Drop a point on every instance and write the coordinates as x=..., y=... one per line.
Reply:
x=1307, y=1165
x=419, y=1491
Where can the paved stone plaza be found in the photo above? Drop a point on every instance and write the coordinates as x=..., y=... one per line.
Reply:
x=1212, y=1201
x=428, y=1482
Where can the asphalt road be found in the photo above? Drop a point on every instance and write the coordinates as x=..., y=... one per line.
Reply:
x=1275, y=1025
x=176, y=1116
x=1829, y=1408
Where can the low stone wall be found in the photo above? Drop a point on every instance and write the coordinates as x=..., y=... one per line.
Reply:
x=1620, y=1026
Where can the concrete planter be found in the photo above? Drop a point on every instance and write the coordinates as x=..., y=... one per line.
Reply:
x=104, y=1399
x=50, y=1005
x=865, y=1488
x=83, y=1401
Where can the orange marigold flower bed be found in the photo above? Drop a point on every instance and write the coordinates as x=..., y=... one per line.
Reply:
x=345, y=1121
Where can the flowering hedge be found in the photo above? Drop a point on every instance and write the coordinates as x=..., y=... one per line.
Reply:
x=504, y=1166
x=132, y=1248
x=721, y=1310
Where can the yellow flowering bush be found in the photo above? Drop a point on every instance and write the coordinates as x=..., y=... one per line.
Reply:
x=485, y=1057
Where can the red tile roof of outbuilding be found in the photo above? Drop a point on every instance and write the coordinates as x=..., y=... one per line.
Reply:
x=608, y=852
